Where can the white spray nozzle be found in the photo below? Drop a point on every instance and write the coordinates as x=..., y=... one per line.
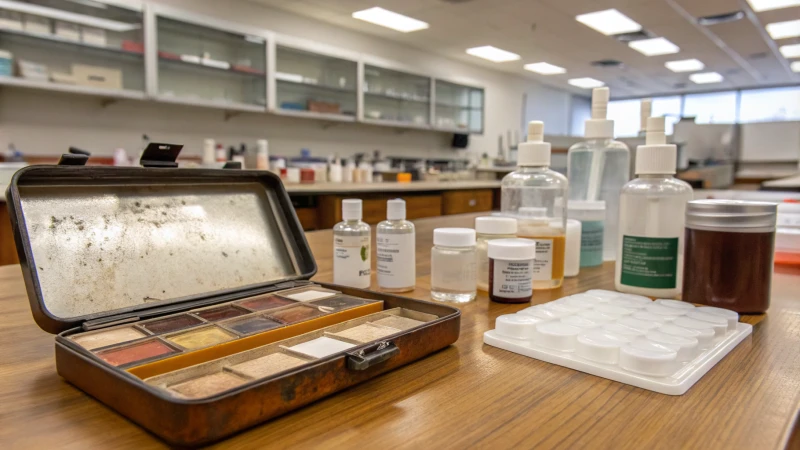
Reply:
x=645, y=112
x=600, y=97
x=536, y=131
x=655, y=131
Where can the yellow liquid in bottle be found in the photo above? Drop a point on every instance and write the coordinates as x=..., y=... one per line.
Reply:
x=551, y=245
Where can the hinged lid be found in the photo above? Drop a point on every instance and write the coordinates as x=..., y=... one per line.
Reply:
x=116, y=242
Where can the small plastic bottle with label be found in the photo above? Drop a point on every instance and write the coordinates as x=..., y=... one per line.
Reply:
x=531, y=194
x=651, y=221
x=396, y=250
x=351, y=252
x=592, y=215
x=488, y=229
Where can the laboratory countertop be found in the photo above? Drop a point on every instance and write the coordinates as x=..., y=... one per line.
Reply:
x=344, y=188
x=467, y=395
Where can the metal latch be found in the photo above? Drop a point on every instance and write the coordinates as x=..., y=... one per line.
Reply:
x=372, y=355
x=75, y=157
x=160, y=155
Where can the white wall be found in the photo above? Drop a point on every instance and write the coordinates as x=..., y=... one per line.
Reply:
x=40, y=122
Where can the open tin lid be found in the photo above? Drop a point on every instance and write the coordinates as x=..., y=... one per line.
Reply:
x=115, y=243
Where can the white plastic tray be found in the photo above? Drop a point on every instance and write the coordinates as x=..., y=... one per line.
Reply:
x=627, y=333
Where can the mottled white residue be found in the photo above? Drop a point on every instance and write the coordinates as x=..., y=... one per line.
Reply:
x=105, y=248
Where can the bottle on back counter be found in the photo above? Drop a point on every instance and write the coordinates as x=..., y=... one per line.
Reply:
x=598, y=167
x=396, y=250
x=531, y=194
x=651, y=221
x=262, y=155
x=351, y=252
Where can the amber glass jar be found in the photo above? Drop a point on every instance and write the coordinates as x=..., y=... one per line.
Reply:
x=729, y=254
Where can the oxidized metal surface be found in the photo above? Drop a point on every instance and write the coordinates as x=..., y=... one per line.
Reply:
x=110, y=247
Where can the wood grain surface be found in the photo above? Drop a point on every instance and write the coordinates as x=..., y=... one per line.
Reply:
x=468, y=395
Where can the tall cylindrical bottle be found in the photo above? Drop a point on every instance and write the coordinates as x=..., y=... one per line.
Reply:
x=531, y=194
x=598, y=167
x=351, y=252
x=651, y=221
x=396, y=250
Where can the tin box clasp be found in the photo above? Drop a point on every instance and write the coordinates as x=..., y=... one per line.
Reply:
x=372, y=355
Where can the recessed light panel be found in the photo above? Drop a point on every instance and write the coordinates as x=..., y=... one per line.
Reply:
x=586, y=83
x=545, y=68
x=795, y=66
x=766, y=5
x=389, y=19
x=493, y=54
x=609, y=22
x=783, y=30
x=791, y=51
x=654, y=47
x=685, y=65
x=706, y=78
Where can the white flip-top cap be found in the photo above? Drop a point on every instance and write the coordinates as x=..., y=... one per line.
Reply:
x=454, y=237
x=396, y=209
x=656, y=157
x=599, y=127
x=534, y=152
x=513, y=249
x=351, y=209
x=496, y=225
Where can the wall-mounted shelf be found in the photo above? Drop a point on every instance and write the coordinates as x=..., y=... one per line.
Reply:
x=165, y=54
x=85, y=90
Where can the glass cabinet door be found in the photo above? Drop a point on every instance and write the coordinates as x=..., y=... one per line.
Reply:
x=458, y=108
x=87, y=45
x=315, y=84
x=395, y=96
x=210, y=66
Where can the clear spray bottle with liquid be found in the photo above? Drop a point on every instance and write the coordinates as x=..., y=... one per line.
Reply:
x=598, y=167
x=532, y=194
x=651, y=221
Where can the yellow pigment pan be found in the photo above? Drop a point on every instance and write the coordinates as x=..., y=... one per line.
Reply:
x=188, y=359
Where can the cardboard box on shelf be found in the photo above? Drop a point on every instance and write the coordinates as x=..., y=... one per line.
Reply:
x=97, y=76
x=37, y=25
x=324, y=107
x=62, y=77
x=93, y=36
x=68, y=31
x=32, y=70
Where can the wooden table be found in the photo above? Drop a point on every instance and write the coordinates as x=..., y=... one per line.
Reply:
x=469, y=394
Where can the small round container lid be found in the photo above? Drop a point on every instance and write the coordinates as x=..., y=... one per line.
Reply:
x=454, y=237
x=586, y=205
x=731, y=215
x=513, y=249
x=496, y=225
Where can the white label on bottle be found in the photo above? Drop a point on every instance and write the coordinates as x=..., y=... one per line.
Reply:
x=351, y=261
x=396, y=260
x=543, y=264
x=512, y=279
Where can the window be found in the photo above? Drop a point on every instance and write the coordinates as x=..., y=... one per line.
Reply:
x=670, y=108
x=770, y=105
x=625, y=114
x=717, y=107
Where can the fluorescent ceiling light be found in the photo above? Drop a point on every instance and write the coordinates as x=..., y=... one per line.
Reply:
x=389, y=19
x=654, y=47
x=791, y=51
x=493, y=54
x=705, y=77
x=545, y=68
x=796, y=66
x=783, y=30
x=685, y=65
x=766, y=5
x=609, y=22
x=57, y=14
x=586, y=83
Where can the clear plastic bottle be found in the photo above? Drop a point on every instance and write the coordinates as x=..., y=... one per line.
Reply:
x=351, y=252
x=531, y=194
x=488, y=229
x=453, y=271
x=651, y=221
x=396, y=250
x=598, y=167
